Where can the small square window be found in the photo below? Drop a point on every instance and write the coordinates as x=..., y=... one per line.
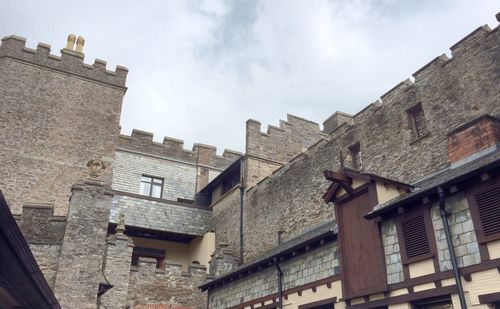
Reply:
x=151, y=186
x=417, y=121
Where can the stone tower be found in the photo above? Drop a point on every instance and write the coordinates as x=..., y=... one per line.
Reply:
x=59, y=125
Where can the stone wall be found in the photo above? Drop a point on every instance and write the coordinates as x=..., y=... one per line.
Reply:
x=450, y=91
x=81, y=258
x=44, y=233
x=151, y=285
x=319, y=263
x=393, y=263
x=462, y=232
x=226, y=216
x=116, y=270
x=56, y=113
x=162, y=215
x=179, y=179
x=281, y=144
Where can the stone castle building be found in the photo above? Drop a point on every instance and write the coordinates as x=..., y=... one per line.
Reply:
x=397, y=206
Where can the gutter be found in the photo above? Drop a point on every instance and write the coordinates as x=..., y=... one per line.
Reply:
x=444, y=218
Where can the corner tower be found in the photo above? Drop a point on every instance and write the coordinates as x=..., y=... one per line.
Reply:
x=56, y=113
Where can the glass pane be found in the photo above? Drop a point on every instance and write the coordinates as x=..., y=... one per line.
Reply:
x=146, y=179
x=156, y=191
x=145, y=188
x=158, y=180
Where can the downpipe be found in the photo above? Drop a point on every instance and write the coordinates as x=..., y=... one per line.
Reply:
x=453, y=257
x=280, y=283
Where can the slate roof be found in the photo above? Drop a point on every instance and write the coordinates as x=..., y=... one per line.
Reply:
x=312, y=234
x=445, y=178
x=161, y=215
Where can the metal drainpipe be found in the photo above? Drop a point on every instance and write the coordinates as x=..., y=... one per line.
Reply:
x=242, y=192
x=444, y=218
x=280, y=283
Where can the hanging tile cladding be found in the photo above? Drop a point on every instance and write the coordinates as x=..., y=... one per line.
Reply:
x=462, y=232
x=392, y=253
x=451, y=92
x=317, y=264
x=161, y=216
x=179, y=179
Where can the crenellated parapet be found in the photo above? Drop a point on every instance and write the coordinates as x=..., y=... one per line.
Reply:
x=168, y=284
x=281, y=143
x=70, y=61
x=40, y=226
x=200, y=154
x=442, y=68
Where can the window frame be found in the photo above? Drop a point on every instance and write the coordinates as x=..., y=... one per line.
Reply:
x=414, y=113
x=414, y=211
x=482, y=187
x=152, y=183
x=355, y=152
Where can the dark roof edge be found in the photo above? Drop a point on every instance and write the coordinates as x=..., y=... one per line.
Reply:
x=21, y=250
x=431, y=190
x=269, y=257
x=215, y=182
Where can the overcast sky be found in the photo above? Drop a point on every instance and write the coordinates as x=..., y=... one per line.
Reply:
x=200, y=69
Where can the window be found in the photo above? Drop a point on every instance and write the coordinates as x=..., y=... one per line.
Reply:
x=417, y=121
x=356, y=156
x=415, y=235
x=151, y=186
x=485, y=211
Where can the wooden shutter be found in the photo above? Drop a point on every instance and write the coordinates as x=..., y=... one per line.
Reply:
x=415, y=234
x=415, y=237
x=488, y=205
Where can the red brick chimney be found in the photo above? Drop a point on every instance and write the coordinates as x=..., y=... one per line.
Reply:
x=472, y=137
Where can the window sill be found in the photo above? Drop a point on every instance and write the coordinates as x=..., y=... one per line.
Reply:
x=416, y=140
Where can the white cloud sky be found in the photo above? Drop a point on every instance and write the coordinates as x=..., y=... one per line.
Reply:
x=200, y=69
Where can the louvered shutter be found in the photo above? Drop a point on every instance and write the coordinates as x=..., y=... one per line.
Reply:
x=488, y=204
x=415, y=236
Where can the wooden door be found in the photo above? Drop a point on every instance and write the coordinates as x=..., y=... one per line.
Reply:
x=363, y=264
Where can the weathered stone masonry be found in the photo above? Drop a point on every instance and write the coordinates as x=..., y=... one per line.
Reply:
x=451, y=92
x=56, y=113
x=318, y=264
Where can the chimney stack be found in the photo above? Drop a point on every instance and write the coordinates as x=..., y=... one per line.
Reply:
x=468, y=141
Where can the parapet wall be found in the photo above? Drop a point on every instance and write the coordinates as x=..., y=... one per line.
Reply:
x=40, y=226
x=451, y=92
x=69, y=61
x=281, y=144
x=173, y=148
x=166, y=285
x=44, y=234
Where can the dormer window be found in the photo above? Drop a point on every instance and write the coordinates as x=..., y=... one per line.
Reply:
x=151, y=186
x=417, y=121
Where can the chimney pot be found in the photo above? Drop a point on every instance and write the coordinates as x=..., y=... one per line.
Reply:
x=70, y=44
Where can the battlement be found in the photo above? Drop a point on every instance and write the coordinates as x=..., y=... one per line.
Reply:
x=202, y=154
x=150, y=284
x=281, y=143
x=70, y=61
x=147, y=265
x=40, y=226
x=437, y=68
